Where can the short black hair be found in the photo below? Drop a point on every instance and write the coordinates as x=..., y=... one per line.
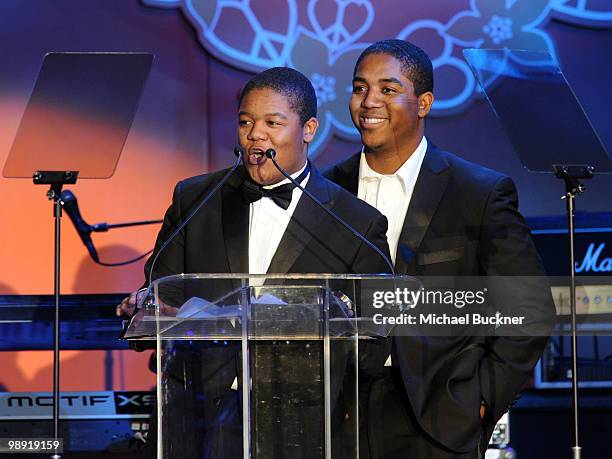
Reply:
x=290, y=83
x=415, y=63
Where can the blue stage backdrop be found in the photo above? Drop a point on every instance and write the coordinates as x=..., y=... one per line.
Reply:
x=205, y=50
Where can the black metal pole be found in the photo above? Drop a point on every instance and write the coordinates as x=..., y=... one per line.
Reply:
x=57, y=214
x=57, y=179
x=569, y=197
x=571, y=175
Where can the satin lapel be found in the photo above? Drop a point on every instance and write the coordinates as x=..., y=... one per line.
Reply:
x=301, y=226
x=347, y=174
x=235, y=216
x=429, y=188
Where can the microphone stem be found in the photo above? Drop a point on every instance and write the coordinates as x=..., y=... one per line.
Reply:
x=192, y=213
x=101, y=227
x=355, y=233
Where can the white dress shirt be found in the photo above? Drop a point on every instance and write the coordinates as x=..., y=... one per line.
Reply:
x=267, y=224
x=391, y=194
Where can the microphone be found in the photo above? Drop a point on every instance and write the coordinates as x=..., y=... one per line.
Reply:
x=238, y=151
x=271, y=154
x=69, y=203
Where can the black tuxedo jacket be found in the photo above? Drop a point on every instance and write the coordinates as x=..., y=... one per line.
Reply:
x=216, y=241
x=463, y=220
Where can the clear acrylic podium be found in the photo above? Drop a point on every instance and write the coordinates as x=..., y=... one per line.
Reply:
x=299, y=340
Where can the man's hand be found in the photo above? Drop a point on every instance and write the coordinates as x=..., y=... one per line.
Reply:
x=483, y=409
x=166, y=310
x=127, y=307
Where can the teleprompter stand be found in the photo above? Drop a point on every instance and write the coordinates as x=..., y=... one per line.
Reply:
x=74, y=126
x=553, y=135
x=572, y=175
x=56, y=180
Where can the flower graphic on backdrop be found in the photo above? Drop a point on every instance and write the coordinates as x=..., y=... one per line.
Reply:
x=506, y=25
x=510, y=24
x=498, y=28
x=331, y=75
x=325, y=87
x=322, y=38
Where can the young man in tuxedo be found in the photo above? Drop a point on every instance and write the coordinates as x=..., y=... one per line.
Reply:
x=259, y=223
x=441, y=396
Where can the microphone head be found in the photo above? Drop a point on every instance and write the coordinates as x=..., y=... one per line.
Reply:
x=70, y=204
x=238, y=151
x=271, y=153
x=67, y=196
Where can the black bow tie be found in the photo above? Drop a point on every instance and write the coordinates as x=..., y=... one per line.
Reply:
x=281, y=195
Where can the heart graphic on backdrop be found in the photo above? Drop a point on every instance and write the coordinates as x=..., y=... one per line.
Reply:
x=246, y=36
x=341, y=25
x=317, y=37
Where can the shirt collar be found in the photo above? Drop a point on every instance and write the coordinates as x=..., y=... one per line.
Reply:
x=410, y=168
x=294, y=176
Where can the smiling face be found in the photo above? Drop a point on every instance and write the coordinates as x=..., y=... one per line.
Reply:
x=266, y=120
x=385, y=109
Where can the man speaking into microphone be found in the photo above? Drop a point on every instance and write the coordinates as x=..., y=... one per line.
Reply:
x=258, y=222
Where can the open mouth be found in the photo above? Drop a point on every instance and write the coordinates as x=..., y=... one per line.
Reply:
x=256, y=155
